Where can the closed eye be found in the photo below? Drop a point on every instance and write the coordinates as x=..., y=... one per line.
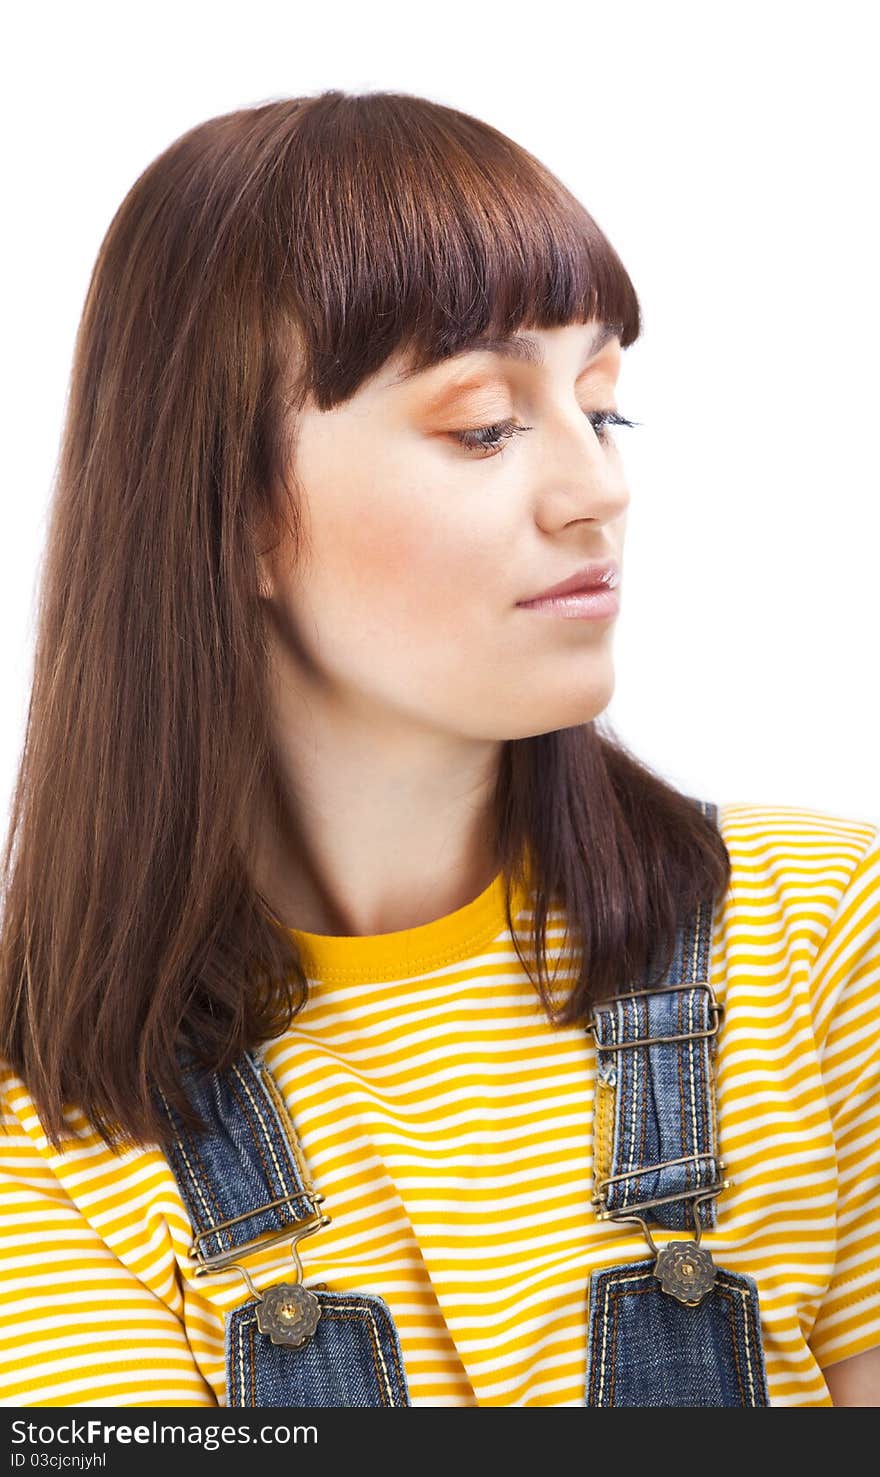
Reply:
x=492, y=438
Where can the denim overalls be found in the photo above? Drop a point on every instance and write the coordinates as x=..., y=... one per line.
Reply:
x=672, y=1329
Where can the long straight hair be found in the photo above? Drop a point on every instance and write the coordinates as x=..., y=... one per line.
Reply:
x=274, y=253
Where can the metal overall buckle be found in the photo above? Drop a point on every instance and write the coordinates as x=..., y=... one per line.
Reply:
x=287, y=1312
x=684, y=1269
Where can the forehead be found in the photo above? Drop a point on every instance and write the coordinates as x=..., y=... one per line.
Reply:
x=475, y=364
x=521, y=348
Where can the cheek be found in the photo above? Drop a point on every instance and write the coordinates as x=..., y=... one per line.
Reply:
x=407, y=562
x=402, y=550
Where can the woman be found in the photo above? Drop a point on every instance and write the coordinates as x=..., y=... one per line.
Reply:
x=325, y=882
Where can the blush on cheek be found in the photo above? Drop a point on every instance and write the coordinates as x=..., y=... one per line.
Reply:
x=407, y=569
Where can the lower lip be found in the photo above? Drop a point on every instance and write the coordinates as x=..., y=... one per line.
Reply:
x=585, y=605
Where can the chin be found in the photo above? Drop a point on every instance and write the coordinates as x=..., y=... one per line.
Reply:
x=576, y=709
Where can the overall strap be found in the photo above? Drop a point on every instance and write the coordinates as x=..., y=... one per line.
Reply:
x=244, y=1185
x=675, y=1329
x=656, y=1151
x=242, y=1181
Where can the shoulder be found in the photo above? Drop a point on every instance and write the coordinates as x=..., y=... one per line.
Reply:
x=15, y=1100
x=803, y=906
x=793, y=832
x=26, y=1156
x=85, y=1164
x=796, y=860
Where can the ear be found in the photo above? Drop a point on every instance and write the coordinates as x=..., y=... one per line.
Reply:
x=277, y=550
x=266, y=554
x=265, y=578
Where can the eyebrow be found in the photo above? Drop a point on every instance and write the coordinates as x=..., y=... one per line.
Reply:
x=521, y=347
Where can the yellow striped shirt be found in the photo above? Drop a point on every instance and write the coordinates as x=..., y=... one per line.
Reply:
x=449, y=1126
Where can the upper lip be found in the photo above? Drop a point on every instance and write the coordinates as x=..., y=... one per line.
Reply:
x=588, y=577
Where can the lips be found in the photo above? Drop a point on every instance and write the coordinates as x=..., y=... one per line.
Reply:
x=595, y=576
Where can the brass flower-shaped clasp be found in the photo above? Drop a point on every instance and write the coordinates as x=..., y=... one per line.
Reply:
x=288, y=1313
x=686, y=1271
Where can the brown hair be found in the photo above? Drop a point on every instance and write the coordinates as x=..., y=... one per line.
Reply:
x=275, y=252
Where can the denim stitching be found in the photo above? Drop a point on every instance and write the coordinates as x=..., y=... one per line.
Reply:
x=242, y=1365
x=749, y=1333
x=386, y=1317
x=634, y=1183
x=682, y=1116
x=692, y=1105
x=715, y=1146
x=640, y=1075
x=239, y=1370
x=255, y=1141
x=280, y=1132
x=615, y=1288
x=198, y=1185
x=288, y=1127
x=606, y=1290
x=613, y=1350
x=618, y=1192
x=707, y=1167
x=339, y=1311
x=604, y=1327
x=696, y=1133
x=632, y=1090
x=642, y=1089
x=748, y=1326
x=375, y=1347
x=646, y=1091
x=283, y=1181
x=698, y=1118
x=731, y=1310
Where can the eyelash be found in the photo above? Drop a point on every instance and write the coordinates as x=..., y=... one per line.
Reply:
x=504, y=430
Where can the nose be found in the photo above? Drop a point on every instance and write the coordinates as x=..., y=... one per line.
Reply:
x=580, y=475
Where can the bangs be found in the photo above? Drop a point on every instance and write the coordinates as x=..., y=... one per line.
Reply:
x=420, y=229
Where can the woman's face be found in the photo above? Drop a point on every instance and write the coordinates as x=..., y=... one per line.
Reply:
x=419, y=548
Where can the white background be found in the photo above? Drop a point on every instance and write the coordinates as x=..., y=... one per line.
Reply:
x=731, y=157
